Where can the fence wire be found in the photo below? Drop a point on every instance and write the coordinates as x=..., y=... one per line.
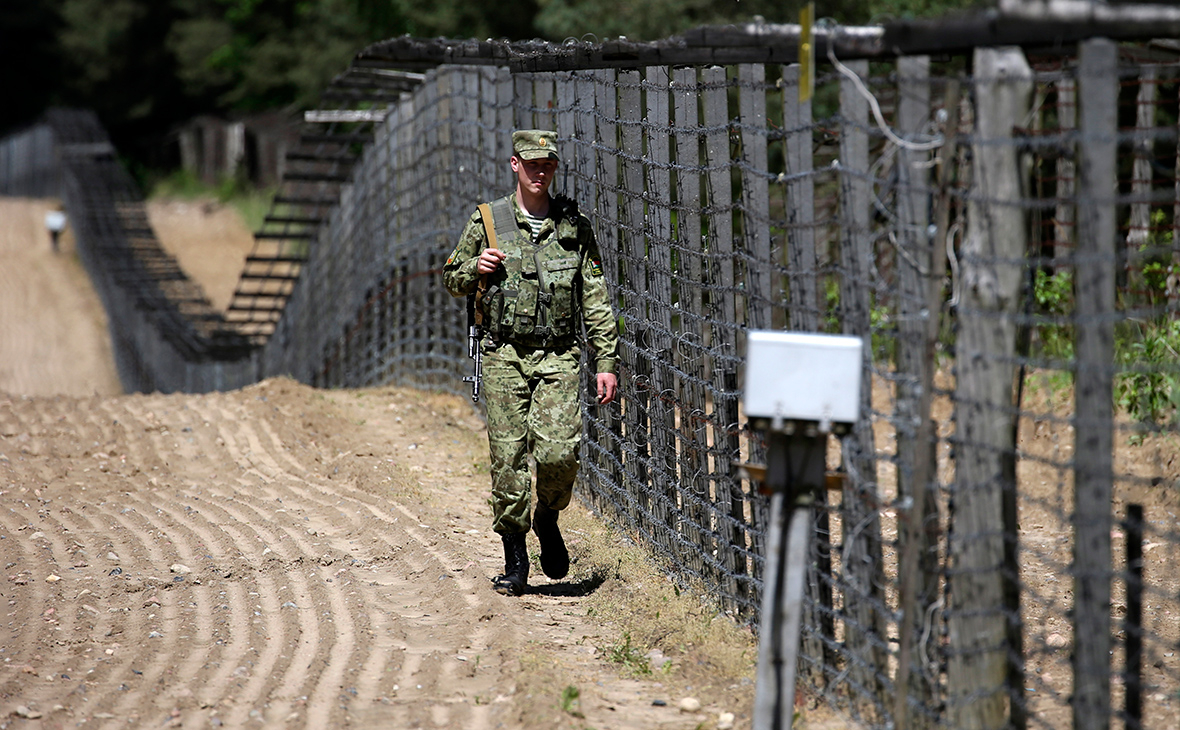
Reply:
x=1004, y=238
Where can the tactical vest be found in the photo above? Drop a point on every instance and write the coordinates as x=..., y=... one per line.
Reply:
x=535, y=299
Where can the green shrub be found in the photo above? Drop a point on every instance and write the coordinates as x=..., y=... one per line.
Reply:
x=1054, y=298
x=1148, y=385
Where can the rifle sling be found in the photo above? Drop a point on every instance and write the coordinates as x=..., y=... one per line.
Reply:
x=489, y=227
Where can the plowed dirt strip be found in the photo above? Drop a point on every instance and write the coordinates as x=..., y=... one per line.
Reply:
x=273, y=557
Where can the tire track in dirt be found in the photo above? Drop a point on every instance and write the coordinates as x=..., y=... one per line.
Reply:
x=419, y=654
x=254, y=454
x=212, y=654
x=343, y=647
x=267, y=667
x=251, y=537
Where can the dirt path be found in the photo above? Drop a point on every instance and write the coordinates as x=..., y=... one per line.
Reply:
x=282, y=557
x=53, y=338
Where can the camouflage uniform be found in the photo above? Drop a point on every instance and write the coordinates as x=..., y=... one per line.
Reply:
x=533, y=310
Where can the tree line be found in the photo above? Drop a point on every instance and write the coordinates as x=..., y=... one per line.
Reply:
x=147, y=66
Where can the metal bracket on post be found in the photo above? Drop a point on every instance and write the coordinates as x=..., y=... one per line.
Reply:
x=799, y=389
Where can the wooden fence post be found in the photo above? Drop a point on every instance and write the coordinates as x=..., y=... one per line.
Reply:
x=505, y=119
x=544, y=114
x=489, y=130
x=1174, y=257
x=522, y=101
x=755, y=195
x=1094, y=408
x=1139, y=228
x=565, y=120
x=756, y=262
x=666, y=457
x=606, y=179
x=802, y=284
x=437, y=134
x=992, y=280
x=635, y=347
x=863, y=567
x=690, y=285
x=726, y=448
x=917, y=303
x=802, y=267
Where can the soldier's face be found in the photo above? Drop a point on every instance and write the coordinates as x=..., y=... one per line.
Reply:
x=534, y=176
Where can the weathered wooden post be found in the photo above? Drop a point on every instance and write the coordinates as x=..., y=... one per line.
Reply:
x=863, y=570
x=692, y=281
x=635, y=401
x=1094, y=409
x=991, y=278
x=1067, y=121
x=657, y=139
x=719, y=219
x=917, y=303
x=606, y=180
x=803, y=292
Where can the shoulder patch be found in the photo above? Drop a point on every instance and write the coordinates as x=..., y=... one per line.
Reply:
x=451, y=259
x=596, y=267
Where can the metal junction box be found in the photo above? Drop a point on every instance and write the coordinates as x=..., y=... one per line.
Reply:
x=801, y=376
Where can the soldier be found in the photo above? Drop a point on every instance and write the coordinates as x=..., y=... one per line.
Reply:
x=535, y=263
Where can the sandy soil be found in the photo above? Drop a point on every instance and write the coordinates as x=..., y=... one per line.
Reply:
x=271, y=557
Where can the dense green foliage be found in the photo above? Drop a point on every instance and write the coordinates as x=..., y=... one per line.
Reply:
x=148, y=65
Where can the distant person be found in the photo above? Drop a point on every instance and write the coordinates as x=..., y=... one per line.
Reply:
x=538, y=285
x=55, y=223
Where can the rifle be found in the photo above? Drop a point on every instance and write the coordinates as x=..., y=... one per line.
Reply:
x=474, y=335
x=475, y=311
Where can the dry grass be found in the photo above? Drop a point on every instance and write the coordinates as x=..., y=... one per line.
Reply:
x=708, y=654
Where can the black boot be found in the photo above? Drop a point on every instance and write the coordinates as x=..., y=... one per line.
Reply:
x=516, y=565
x=555, y=559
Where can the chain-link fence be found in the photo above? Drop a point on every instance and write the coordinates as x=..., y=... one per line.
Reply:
x=998, y=227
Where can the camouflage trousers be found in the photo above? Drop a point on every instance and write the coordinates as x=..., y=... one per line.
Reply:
x=531, y=395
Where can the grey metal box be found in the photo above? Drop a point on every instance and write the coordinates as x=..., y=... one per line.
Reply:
x=801, y=376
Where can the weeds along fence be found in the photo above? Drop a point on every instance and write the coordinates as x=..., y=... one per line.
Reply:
x=998, y=225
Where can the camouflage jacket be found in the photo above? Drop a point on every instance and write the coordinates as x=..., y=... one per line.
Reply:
x=546, y=288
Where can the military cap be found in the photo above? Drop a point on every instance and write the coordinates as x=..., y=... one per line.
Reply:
x=533, y=144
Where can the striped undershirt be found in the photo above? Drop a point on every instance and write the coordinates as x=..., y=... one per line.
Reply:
x=535, y=223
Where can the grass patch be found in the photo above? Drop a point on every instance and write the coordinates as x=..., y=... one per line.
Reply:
x=710, y=655
x=571, y=701
x=629, y=656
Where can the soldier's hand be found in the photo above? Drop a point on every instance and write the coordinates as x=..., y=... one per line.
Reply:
x=608, y=387
x=490, y=260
